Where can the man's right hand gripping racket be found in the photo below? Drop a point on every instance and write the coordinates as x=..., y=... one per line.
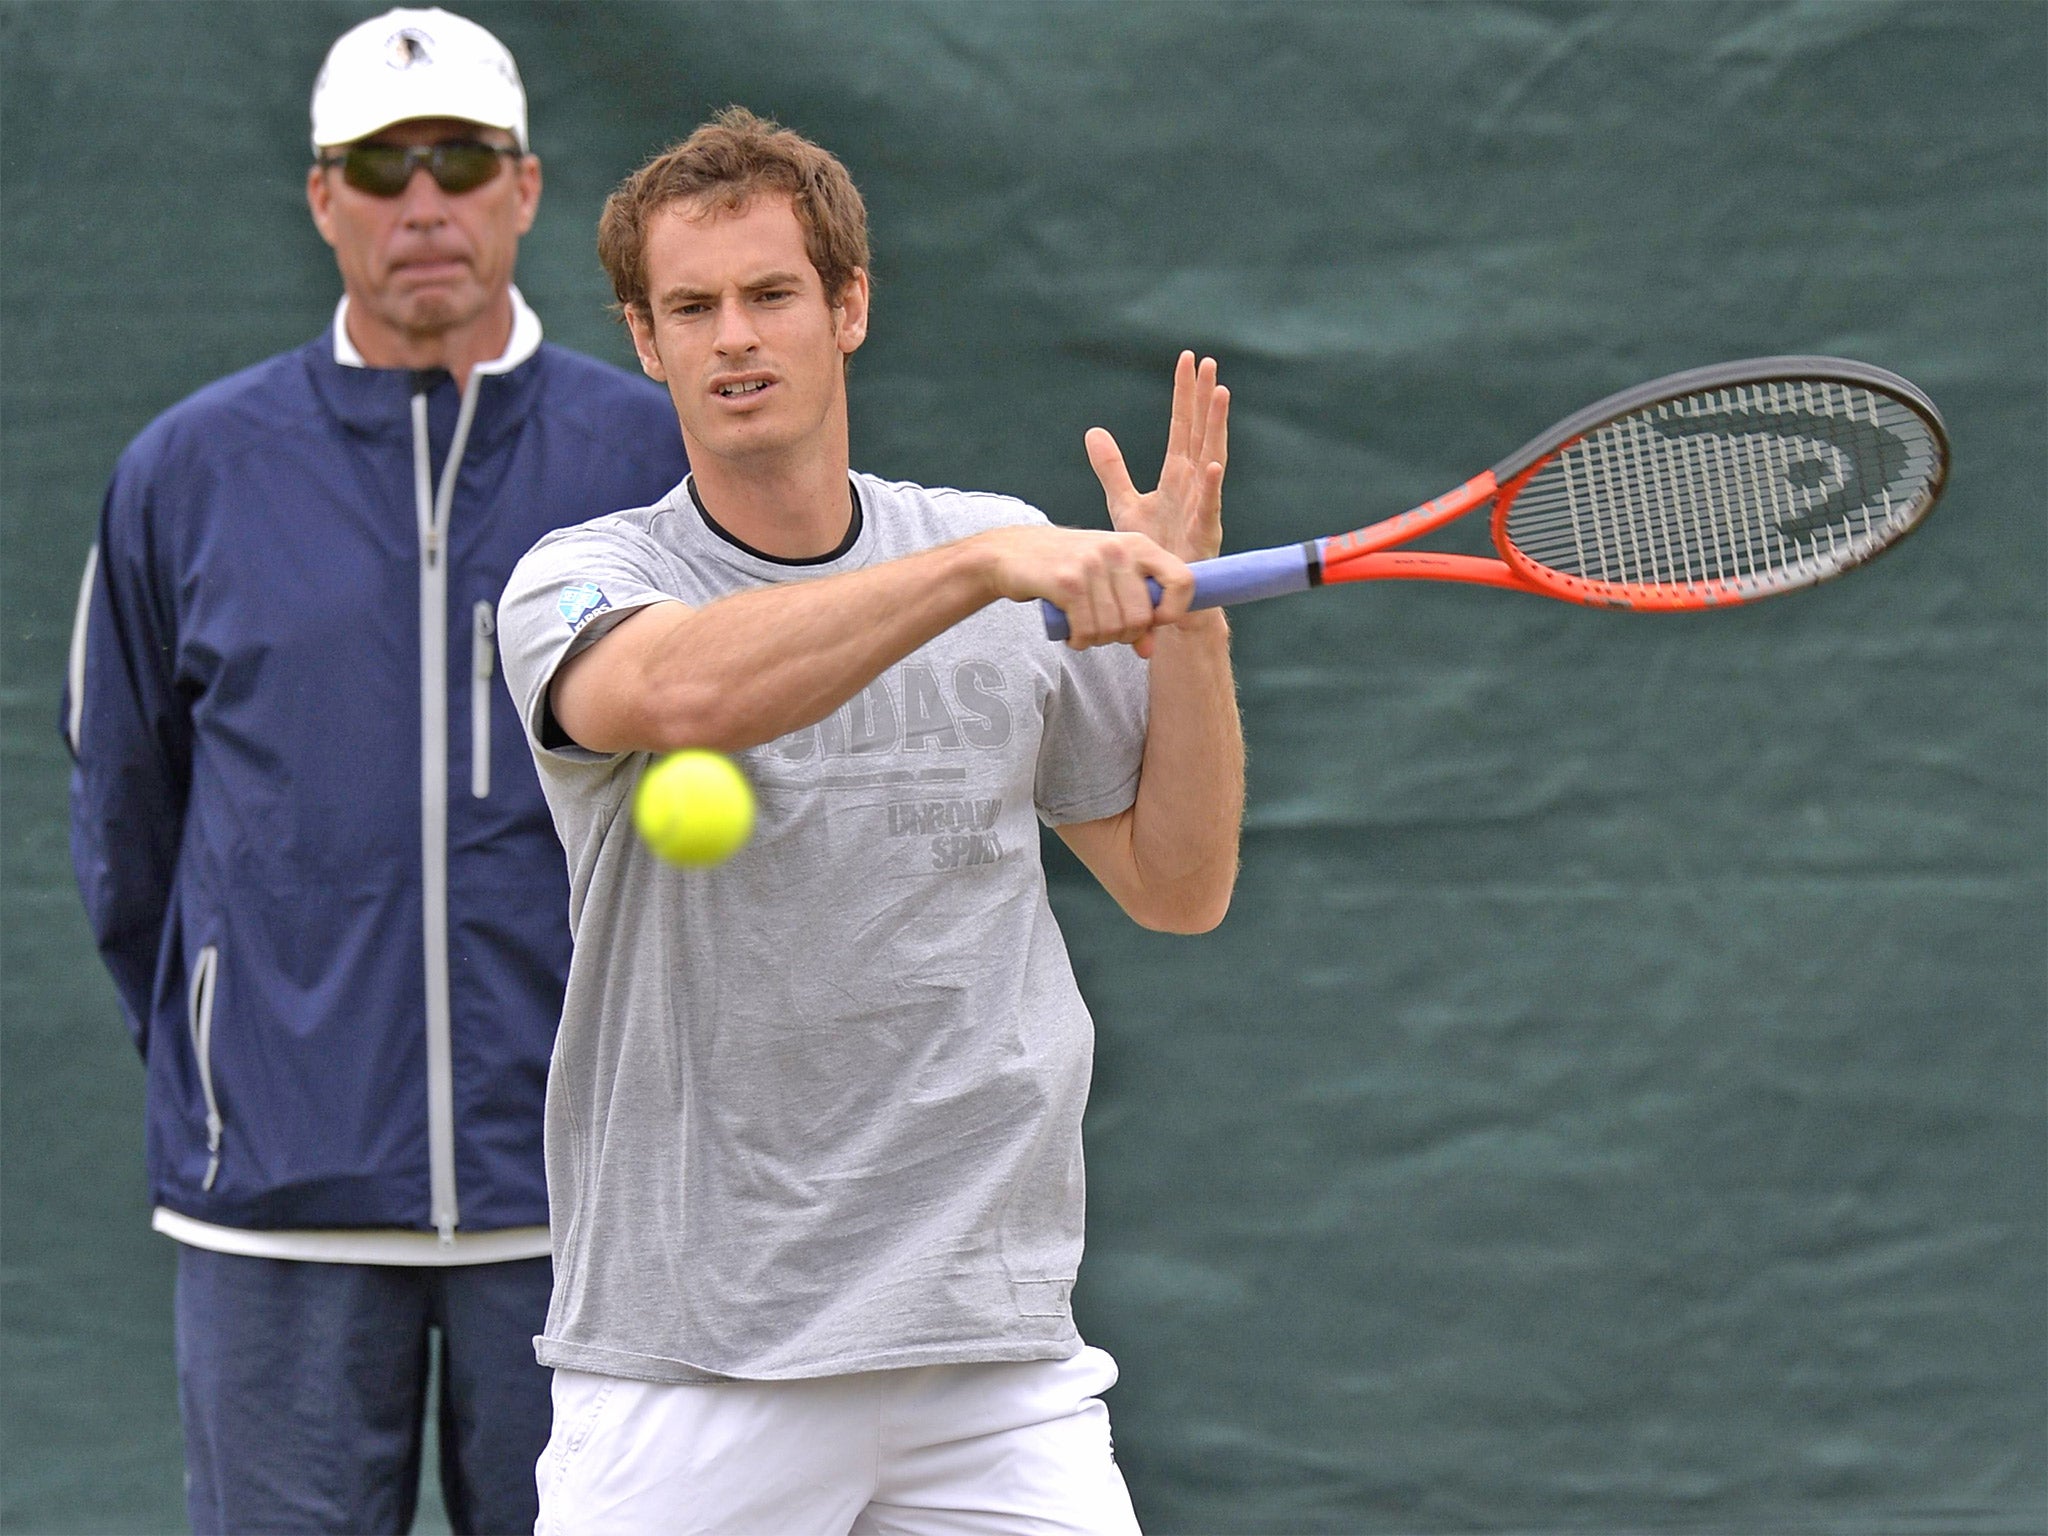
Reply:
x=1716, y=486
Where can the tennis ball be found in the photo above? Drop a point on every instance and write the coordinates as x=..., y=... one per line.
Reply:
x=694, y=808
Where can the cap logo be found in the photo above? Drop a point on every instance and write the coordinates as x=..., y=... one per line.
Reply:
x=407, y=47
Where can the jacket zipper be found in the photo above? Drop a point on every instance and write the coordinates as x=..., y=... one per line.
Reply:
x=199, y=1020
x=432, y=504
x=483, y=651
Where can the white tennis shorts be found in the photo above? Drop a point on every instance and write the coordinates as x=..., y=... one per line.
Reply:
x=942, y=1450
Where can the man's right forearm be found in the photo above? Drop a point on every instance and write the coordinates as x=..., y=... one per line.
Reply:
x=748, y=668
x=124, y=840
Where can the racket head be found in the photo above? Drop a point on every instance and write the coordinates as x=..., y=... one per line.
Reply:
x=1721, y=485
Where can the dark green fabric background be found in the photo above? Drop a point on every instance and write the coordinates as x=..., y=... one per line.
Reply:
x=1616, y=1101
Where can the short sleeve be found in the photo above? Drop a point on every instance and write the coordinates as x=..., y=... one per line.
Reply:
x=1094, y=738
x=566, y=594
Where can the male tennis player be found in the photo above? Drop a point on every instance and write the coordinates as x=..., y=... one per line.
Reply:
x=814, y=1117
x=309, y=837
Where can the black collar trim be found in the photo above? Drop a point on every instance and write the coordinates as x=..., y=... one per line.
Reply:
x=853, y=527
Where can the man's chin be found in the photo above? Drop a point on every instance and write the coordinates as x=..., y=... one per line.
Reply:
x=432, y=313
x=764, y=445
x=430, y=308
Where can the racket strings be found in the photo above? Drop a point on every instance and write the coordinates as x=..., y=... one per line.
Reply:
x=1743, y=488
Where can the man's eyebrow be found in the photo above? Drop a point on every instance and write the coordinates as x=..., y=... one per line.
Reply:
x=683, y=293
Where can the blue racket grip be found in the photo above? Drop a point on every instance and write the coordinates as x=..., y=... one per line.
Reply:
x=1230, y=579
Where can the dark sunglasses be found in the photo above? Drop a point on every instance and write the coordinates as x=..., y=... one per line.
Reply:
x=385, y=170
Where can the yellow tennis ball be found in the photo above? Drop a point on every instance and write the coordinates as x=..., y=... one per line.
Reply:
x=694, y=808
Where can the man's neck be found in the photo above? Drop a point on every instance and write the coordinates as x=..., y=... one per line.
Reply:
x=458, y=349
x=789, y=511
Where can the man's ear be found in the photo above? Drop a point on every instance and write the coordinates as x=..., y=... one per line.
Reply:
x=528, y=171
x=320, y=199
x=640, y=321
x=850, y=314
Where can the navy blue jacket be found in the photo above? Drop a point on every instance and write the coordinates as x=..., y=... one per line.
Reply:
x=264, y=763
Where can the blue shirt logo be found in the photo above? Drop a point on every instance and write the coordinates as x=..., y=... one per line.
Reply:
x=581, y=602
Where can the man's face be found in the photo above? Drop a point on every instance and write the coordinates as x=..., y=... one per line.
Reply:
x=740, y=329
x=426, y=261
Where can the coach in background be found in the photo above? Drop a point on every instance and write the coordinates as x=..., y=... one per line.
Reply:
x=308, y=832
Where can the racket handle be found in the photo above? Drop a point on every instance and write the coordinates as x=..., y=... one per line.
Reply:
x=1228, y=579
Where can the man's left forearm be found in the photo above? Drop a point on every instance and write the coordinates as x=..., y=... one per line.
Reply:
x=1186, y=822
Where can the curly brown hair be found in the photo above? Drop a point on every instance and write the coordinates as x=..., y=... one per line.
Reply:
x=726, y=164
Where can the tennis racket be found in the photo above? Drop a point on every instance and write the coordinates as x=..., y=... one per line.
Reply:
x=1703, y=489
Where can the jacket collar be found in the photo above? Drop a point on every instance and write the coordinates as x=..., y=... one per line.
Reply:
x=376, y=401
x=524, y=343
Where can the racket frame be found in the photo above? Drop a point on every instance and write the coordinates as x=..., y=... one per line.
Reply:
x=1367, y=554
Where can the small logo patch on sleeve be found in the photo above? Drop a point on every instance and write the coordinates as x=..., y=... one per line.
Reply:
x=581, y=602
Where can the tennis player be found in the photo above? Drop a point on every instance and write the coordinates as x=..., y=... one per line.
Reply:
x=814, y=1116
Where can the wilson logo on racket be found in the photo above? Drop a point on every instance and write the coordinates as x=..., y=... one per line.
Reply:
x=1716, y=486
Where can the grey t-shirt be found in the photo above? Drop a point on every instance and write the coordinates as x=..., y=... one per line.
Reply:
x=818, y=1110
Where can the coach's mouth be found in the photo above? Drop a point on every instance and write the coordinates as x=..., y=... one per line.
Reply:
x=430, y=265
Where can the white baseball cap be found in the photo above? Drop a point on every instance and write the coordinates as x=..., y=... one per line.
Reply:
x=406, y=64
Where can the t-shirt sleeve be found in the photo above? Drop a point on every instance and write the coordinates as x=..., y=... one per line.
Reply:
x=565, y=595
x=1094, y=735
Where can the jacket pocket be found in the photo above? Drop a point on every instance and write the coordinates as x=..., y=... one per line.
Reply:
x=199, y=1020
x=483, y=653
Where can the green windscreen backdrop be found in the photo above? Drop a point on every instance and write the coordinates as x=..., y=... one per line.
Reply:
x=1615, y=1102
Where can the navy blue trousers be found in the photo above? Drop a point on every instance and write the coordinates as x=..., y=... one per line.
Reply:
x=304, y=1393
